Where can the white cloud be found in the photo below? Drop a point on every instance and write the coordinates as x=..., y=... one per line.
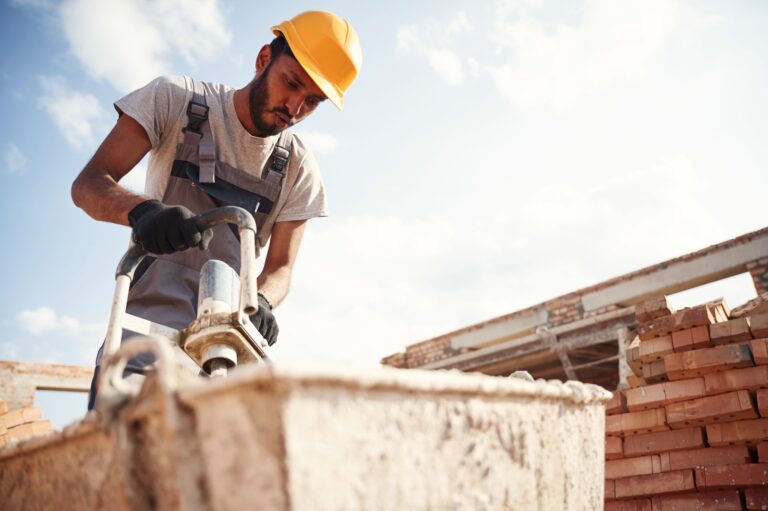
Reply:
x=75, y=113
x=435, y=40
x=128, y=43
x=558, y=62
x=15, y=159
x=44, y=319
x=319, y=142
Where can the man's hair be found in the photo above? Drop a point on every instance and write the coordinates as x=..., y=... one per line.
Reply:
x=279, y=46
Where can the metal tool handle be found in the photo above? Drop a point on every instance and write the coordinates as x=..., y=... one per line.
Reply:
x=249, y=300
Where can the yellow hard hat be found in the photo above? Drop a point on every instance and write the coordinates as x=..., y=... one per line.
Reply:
x=327, y=48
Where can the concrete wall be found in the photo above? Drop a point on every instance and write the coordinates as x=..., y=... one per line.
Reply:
x=309, y=439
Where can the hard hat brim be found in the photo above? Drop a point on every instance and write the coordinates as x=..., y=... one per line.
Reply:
x=299, y=50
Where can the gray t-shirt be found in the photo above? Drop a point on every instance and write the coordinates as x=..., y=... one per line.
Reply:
x=161, y=109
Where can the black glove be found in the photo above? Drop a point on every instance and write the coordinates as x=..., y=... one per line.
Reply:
x=162, y=229
x=265, y=321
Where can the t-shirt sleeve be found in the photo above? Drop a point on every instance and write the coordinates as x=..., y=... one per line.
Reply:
x=306, y=198
x=156, y=106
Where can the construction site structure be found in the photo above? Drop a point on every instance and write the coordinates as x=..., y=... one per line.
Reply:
x=584, y=335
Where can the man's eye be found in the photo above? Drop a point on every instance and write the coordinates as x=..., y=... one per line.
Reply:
x=292, y=85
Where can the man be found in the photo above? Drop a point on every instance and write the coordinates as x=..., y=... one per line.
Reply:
x=211, y=145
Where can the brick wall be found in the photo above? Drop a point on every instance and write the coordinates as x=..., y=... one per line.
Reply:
x=569, y=308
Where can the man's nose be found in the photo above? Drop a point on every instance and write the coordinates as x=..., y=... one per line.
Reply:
x=294, y=105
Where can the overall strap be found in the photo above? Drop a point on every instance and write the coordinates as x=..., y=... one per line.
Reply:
x=281, y=155
x=198, y=132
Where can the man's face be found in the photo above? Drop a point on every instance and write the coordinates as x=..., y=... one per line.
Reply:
x=282, y=95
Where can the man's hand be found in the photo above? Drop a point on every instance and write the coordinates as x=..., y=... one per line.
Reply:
x=265, y=321
x=162, y=229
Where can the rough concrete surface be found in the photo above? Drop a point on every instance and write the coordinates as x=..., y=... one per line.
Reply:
x=293, y=438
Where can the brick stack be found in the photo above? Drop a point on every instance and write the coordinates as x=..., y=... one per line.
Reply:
x=21, y=423
x=691, y=432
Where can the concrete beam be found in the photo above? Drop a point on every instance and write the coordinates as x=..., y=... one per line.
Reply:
x=20, y=380
x=680, y=276
x=500, y=330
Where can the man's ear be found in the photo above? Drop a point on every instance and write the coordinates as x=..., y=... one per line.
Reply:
x=263, y=58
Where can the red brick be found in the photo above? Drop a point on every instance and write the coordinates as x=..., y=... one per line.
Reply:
x=749, y=378
x=653, y=308
x=654, y=372
x=704, y=410
x=633, y=423
x=659, y=394
x=636, y=381
x=705, y=457
x=633, y=357
x=735, y=433
x=21, y=416
x=3, y=407
x=756, y=498
x=760, y=351
x=762, y=402
x=29, y=429
x=610, y=489
x=655, y=349
x=682, y=341
x=3, y=429
x=731, y=476
x=762, y=452
x=641, y=465
x=654, y=443
x=655, y=484
x=702, y=315
x=617, y=404
x=758, y=324
x=613, y=448
x=699, y=362
x=629, y=505
x=729, y=500
x=701, y=338
x=735, y=330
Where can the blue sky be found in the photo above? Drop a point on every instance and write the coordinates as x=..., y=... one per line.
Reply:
x=491, y=156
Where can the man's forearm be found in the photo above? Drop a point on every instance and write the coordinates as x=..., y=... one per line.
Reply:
x=274, y=284
x=103, y=199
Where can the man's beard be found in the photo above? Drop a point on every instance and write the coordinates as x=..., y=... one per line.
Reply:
x=258, y=100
